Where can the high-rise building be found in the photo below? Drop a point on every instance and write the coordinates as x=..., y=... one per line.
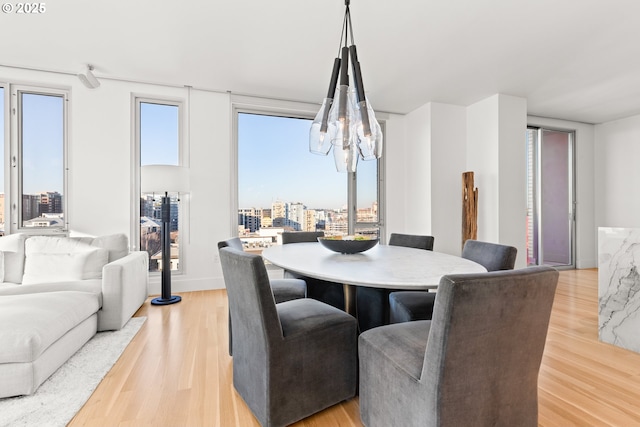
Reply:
x=295, y=217
x=309, y=223
x=31, y=204
x=278, y=214
x=146, y=206
x=266, y=220
x=250, y=219
x=50, y=203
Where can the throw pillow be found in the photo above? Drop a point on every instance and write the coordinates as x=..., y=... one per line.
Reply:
x=93, y=262
x=52, y=267
x=96, y=259
x=13, y=248
x=116, y=244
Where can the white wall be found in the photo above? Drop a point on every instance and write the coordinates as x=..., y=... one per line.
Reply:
x=483, y=158
x=417, y=173
x=433, y=164
x=587, y=180
x=496, y=154
x=617, y=150
x=209, y=200
x=513, y=176
x=395, y=167
x=448, y=162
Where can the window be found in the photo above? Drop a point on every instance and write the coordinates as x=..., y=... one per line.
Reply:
x=158, y=125
x=38, y=152
x=2, y=177
x=284, y=187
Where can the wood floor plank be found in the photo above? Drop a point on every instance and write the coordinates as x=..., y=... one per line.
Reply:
x=177, y=370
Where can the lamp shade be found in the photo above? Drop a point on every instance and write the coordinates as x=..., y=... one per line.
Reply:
x=164, y=178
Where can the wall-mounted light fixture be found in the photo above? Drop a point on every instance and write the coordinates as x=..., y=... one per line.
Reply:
x=88, y=79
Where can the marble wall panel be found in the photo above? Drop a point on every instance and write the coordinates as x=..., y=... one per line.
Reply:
x=619, y=286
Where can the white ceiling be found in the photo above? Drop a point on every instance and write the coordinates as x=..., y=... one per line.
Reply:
x=571, y=59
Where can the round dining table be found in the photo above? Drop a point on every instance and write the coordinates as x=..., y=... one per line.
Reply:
x=383, y=266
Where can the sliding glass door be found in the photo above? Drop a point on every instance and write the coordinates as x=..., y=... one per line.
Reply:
x=550, y=197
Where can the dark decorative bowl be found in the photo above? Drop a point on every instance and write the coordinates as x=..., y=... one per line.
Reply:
x=347, y=246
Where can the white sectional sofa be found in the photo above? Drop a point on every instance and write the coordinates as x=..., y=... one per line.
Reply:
x=55, y=294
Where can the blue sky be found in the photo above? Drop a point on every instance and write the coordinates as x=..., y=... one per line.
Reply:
x=159, y=134
x=42, y=148
x=274, y=163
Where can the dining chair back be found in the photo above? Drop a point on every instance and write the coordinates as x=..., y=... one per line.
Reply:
x=492, y=256
x=290, y=359
x=405, y=306
x=411, y=241
x=321, y=290
x=233, y=242
x=373, y=303
x=282, y=289
x=476, y=363
x=301, y=236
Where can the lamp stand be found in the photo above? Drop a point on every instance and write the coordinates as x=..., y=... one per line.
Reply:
x=166, y=297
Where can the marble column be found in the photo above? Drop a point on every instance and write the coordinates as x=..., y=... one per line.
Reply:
x=619, y=286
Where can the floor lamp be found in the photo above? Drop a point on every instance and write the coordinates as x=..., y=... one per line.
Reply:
x=165, y=179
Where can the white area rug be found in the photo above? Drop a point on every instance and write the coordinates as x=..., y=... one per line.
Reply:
x=60, y=397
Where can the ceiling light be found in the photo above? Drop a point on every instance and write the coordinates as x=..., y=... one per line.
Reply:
x=346, y=122
x=88, y=79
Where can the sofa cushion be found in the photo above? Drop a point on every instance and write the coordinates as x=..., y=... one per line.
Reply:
x=93, y=286
x=31, y=323
x=13, y=248
x=55, y=259
x=1, y=266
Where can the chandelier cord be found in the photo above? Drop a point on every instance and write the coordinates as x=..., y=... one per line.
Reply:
x=350, y=26
x=343, y=33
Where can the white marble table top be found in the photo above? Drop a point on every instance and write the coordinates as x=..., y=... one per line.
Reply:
x=390, y=267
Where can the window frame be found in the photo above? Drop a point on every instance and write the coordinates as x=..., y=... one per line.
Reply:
x=6, y=135
x=14, y=161
x=183, y=160
x=298, y=110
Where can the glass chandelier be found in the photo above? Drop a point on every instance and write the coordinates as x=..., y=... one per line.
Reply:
x=346, y=122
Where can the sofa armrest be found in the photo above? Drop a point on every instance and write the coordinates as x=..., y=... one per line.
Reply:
x=125, y=287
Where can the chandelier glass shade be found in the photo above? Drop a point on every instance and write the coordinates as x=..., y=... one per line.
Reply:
x=346, y=121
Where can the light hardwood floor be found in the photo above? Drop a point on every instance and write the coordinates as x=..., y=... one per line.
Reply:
x=177, y=371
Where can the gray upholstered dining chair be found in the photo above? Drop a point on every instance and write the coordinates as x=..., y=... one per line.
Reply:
x=476, y=363
x=301, y=236
x=321, y=290
x=405, y=306
x=372, y=304
x=412, y=241
x=282, y=289
x=290, y=359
